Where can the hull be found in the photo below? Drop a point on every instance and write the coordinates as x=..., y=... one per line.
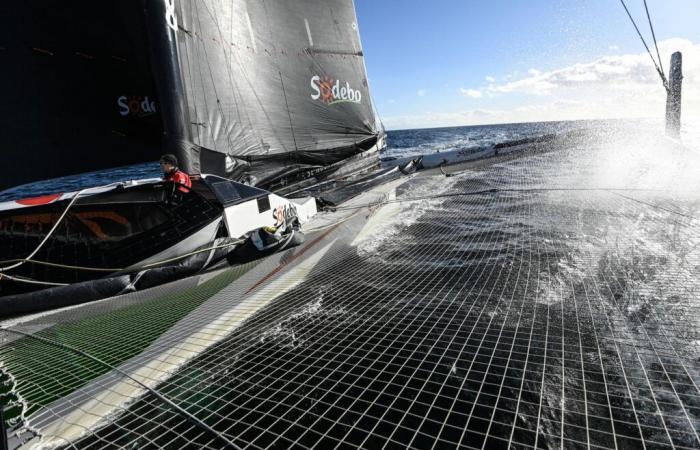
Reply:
x=113, y=229
x=107, y=232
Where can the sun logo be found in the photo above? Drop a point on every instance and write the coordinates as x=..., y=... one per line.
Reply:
x=332, y=92
x=326, y=86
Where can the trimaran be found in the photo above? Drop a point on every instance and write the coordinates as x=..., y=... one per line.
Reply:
x=266, y=104
x=255, y=97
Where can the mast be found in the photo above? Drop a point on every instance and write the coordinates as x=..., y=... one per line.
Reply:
x=673, y=84
x=162, y=25
x=673, y=99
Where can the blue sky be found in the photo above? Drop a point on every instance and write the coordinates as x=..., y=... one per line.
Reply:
x=452, y=62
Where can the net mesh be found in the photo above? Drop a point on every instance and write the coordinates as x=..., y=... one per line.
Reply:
x=548, y=300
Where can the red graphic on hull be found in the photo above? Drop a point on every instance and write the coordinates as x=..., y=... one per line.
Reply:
x=41, y=200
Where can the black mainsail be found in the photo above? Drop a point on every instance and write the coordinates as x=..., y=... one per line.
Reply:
x=270, y=92
x=77, y=89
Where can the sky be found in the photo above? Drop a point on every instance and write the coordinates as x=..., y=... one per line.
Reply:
x=469, y=62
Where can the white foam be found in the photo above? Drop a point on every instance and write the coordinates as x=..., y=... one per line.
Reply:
x=21, y=420
x=284, y=334
x=390, y=219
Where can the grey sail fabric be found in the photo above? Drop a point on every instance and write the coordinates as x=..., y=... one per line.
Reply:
x=277, y=86
x=269, y=92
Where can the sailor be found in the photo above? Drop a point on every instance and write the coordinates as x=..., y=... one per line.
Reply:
x=174, y=175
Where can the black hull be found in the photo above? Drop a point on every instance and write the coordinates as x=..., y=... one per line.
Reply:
x=113, y=230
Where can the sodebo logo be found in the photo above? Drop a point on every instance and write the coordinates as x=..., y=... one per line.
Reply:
x=331, y=91
x=136, y=105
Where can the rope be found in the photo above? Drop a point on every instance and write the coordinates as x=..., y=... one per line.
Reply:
x=178, y=409
x=133, y=269
x=30, y=281
x=658, y=70
x=107, y=270
x=668, y=210
x=653, y=35
x=46, y=238
x=15, y=263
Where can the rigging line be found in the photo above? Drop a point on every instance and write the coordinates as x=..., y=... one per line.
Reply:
x=668, y=210
x=124, y=269
x=178, y=409
x=658, y=70
x=653, y=35
x=30, y=281
x=48, y=235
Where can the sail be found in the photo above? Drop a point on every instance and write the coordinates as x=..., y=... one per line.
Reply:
x=267, y=92
x=270, y=87
x=77, y=88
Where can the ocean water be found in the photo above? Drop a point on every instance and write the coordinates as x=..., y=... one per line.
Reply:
x=401, y=143
x=406, y=143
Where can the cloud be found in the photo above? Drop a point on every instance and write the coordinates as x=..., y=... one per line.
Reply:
x=421, y=92
x=490, y=79
x=471, y=93
x=611, y=74
x=614, y=86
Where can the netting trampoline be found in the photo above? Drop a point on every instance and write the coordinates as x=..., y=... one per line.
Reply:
x=548, y=300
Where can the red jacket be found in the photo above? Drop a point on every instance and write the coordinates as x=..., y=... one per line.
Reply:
x=181, y=179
